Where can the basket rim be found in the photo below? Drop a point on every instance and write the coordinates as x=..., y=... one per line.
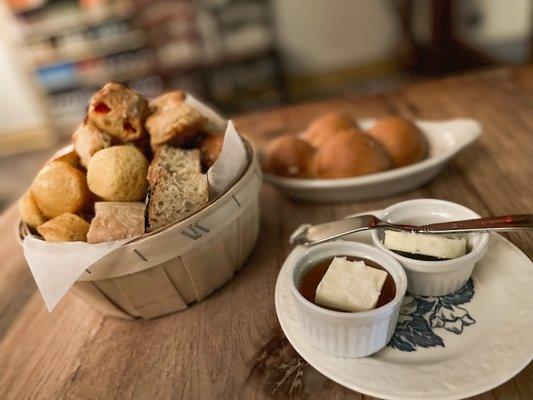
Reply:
x=24, y=230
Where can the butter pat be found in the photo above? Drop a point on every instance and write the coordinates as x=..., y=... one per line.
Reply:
x=429, y=245
x=350, y=286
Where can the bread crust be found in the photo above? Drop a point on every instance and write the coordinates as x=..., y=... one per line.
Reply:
x=60, y=188
x=289, y=156
x=118, y=111
x=29, y=212
x=66, y=227
x=118, y=173
x=116, y=220
x=350, y=153
x=173, y=121
x=405, y=143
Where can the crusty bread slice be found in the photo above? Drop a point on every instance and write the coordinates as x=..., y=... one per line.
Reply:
x=116, y=220
x=177, y=187
x=173, y=160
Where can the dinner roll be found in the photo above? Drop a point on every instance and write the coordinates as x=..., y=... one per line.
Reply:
x=402, y=139
x=59, y=188
x=350, y=153
x=29, y=212
x=87, y=140
x=210, y=148
x=66, y=227
x=118, y=173
x=322, y=129
x=68, y=155
x=289, y=156
x=119, y=111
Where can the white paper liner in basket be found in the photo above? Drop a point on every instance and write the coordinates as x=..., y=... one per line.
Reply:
x=57, y=266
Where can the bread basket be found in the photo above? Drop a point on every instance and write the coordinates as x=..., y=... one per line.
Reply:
x=167, y=270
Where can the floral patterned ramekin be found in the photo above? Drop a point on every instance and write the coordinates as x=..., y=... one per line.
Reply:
x=346, y=334
x=434, y=278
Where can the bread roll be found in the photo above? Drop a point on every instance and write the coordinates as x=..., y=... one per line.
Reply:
x=177, y=188
x=118, y=173
x=289, y=156
x=210, y=149
x=173, y=121
x=60, y=188
x=322, y=129
x=116, y=220
x=29, y=212
x=402, y=139
x=350, y=153
x=118, y=111
x=68, y=155
x=66, y=227
x=87, y=140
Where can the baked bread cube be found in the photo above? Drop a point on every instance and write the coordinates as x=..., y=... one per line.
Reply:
x=177, y=187
x=118, y=111
x=60, y=188
x=169, y=158
x=118, y=173
x=66, y=227
x=173, y=121
x=87, y=140
x=116, y=220
x=29, y=212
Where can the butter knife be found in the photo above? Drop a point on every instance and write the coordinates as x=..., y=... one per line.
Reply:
x=314, y=234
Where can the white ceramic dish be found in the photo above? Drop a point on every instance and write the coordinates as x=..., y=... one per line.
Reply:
x=463, y=345
x=445, y=138
x=433, y=278
x=344, y=334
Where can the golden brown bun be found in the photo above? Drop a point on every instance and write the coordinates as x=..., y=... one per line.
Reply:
x=66, y=227
x=29, y=212
x=350, y=153
x=68, y=155
x=118, y=173
x=119, y=111
x=289, y=156
x=210, y=148
x=322, y=129
x=87, y=140
x=59, y=188
x=173, y=121
x=402, y=139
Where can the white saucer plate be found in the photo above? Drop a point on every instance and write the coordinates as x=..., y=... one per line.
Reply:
x=447, y=347
x=445, y=139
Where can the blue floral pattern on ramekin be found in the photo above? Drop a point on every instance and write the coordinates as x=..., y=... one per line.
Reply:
x=421, y=316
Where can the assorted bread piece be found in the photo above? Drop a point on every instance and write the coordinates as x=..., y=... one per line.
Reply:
x=333, y=146
x=177, y=186
x=133, y=167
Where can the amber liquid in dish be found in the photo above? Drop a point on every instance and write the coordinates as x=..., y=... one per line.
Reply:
x=314, y=275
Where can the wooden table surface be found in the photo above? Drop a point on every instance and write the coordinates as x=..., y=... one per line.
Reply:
x=230, y=345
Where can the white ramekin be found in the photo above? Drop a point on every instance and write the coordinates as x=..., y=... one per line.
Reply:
x=434, y=278
x=344, y=334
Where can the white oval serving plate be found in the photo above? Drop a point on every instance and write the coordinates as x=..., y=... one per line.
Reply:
x=446, y=347
x=445, y=138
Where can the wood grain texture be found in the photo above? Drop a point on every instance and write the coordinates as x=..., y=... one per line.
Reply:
x=230, y=345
